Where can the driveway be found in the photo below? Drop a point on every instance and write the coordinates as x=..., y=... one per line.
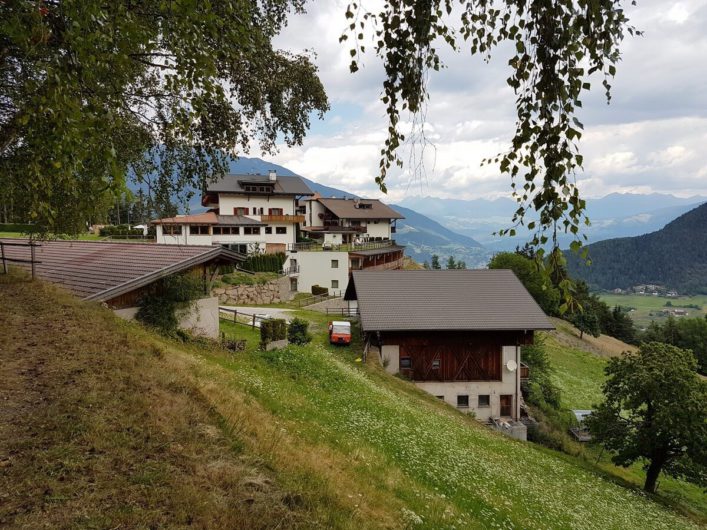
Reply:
x=274, y=312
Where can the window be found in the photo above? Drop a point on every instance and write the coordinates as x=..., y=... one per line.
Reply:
x=199, y=230
x=240, y=248
x=484, y=400
x=258, y=210
x=335, y=264
x=280, y=229
x=225, y=230
x=440, y=397
x=405, y=362
x=251, y=230
x=335, y=284
x=435, y=364
x=268, y=229
x=172, y=230
x=463, y=401
x=275, y=211
x=240, y=211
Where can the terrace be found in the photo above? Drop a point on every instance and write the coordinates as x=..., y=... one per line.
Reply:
x=318, y=246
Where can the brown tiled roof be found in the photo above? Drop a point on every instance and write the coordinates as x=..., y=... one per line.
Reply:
x=444, y=300
x=209, y=218
x=283, y=185
x=199, y=218
x=97, y=270
x=346, y=209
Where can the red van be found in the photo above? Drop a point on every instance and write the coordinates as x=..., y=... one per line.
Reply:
x=339, y=332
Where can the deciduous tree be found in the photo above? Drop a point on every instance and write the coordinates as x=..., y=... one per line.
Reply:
x=655, y=411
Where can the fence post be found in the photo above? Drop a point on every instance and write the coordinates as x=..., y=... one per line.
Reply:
x=31, y=246
x=235, y=315
x=253, y=321
x=4, y=263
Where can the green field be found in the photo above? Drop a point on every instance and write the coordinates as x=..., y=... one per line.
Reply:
x=645, y=305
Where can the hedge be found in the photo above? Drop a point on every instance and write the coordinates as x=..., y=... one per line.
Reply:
x=119, y=230
x=317, y=290
x=264, y=262
x=17, y=227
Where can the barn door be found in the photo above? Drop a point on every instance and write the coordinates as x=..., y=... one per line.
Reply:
x=507, y=405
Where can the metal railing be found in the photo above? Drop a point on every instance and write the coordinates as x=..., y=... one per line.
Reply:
x=5, y=258
x=316, y=246
x=314, y=299
x=290, y=270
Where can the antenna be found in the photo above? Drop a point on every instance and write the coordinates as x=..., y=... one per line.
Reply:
x=511, y=365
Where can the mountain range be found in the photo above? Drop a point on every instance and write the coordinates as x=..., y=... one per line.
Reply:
x=675, y=256
x=612, y=216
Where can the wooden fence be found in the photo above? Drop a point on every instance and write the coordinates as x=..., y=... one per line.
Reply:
x=32, y=260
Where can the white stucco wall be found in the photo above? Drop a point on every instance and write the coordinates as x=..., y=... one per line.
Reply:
x=315, y=269
x=227, y=202
x=202, y=318
x=509, y=384
x=379, y=229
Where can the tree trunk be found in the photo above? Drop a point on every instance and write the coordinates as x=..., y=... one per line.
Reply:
x=652, y=474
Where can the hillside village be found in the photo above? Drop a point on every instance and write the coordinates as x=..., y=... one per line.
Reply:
x=456, y=292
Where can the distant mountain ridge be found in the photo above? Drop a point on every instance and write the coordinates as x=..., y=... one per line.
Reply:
x=675, y=256
x=612, y=216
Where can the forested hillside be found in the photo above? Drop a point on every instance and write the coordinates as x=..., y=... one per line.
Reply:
x=675, y=256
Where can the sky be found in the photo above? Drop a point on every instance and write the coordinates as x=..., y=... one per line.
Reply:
x=652, y=137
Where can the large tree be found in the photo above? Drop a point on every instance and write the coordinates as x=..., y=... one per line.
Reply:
x=92, y=91
x=655, y=411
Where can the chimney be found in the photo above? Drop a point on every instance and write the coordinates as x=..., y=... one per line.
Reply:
x=272, y=174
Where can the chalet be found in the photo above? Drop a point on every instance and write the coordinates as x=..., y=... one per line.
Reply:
x=355, y=234
x=456, y=334
x=247, y=214
x=117, y=274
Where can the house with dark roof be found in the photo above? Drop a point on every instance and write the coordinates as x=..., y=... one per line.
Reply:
x=118, y=274
x=247, y=214
x=456, y=334
x=354, y=234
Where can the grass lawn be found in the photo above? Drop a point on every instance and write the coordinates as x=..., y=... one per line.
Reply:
x=645, y=305
x=105, y=424
x=81, y=237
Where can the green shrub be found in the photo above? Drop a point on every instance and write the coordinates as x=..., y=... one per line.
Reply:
x=163, y=301
x=298, y=332
x=317, y=290
x=271, y=330
x=119, y=230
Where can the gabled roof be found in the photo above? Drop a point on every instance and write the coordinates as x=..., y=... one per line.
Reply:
x=444, y=300
x=282, y=185
x=98, y=270
x=209, y=218
x=350, y=209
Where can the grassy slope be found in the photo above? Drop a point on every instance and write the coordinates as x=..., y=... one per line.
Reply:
x=106, y=423
x=579, y=373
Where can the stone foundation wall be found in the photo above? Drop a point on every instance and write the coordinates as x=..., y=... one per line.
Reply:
x=272, y=292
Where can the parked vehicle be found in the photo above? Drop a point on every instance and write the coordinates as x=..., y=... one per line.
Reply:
x=339, y=332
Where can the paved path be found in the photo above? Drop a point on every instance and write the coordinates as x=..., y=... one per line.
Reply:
x=274, y=312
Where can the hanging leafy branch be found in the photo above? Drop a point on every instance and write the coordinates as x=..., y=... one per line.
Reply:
x=558, y=45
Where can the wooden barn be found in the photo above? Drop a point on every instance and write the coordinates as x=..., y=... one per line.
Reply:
x=456, y=333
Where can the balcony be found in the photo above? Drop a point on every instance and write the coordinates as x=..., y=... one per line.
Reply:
x=286, y=218
x=385, y=266
x=316, y=246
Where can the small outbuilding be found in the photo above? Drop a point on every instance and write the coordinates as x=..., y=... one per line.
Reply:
x=119, y=273
x=455, y=333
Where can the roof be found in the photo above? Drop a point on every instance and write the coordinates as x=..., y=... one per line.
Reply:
x=399, y=300
x=98, y=270
x=283, y=185
x=209, y=218
x=347, y=209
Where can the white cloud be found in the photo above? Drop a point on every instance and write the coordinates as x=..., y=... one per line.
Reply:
x=651, y=137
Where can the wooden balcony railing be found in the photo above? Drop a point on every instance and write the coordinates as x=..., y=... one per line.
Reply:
x=287, y=218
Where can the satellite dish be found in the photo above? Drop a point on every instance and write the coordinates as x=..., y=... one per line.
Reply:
x=511, y=365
